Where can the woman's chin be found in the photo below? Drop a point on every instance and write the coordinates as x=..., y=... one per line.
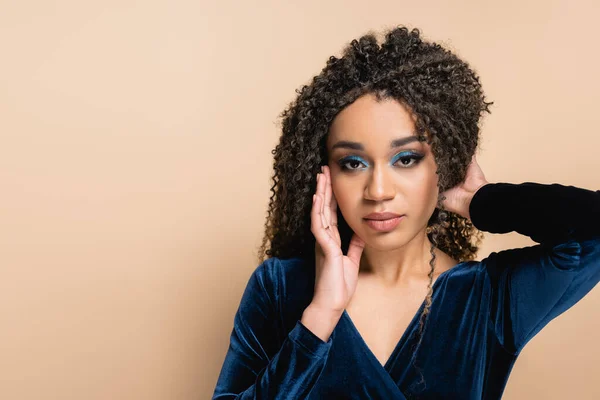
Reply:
x=387, y=242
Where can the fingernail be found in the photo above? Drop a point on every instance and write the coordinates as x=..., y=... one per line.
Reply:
x=314, y=196
x=321, y=168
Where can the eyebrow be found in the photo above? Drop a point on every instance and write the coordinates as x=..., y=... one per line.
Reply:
x=345, y=144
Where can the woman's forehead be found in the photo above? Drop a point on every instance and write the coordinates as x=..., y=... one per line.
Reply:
x=367, y=114
x=373, y=122
x=376, y=141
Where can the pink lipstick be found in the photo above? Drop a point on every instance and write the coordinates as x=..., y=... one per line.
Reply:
x=384, y=221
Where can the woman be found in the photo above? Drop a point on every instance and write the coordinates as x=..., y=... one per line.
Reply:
x=370, y=289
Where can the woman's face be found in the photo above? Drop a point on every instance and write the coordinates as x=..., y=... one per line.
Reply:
x=371, y=174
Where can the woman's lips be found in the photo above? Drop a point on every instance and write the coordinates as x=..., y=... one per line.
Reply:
x=381, y=215
x=383, y=225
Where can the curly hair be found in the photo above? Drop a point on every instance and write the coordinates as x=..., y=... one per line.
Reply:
x=440, y=90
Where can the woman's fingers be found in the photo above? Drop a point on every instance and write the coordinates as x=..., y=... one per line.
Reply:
x=327, y=196
x=331, y=204
x=321, y=184
x=318, y=222
x=355, y=249
x=324, y=213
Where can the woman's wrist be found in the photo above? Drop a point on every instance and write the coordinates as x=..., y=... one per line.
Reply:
x=469, y=199
x=465, y=212
x=320, y=322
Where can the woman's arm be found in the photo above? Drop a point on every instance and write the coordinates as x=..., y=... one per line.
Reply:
x=249, y=371
x=550, y=213
x=530, y=286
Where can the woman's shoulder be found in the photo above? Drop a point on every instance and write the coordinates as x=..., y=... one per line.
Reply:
x=465, y=274
x=283, y=269
x=289, y=283
x=286, y=275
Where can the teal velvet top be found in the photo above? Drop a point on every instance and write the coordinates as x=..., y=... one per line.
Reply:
x=482, y=312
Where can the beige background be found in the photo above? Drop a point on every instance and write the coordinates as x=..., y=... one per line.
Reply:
x=135, y=166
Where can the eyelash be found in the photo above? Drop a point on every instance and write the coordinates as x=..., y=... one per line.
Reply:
x=400, y=157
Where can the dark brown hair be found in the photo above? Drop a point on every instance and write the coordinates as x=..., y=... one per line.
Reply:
x=443, y=93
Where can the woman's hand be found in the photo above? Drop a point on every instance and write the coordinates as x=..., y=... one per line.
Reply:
x=458, y=198
x=336, y=274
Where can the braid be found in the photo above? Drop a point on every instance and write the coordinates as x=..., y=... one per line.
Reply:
x=434, y=232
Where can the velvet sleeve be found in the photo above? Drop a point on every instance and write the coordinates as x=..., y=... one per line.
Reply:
x=253, y=368
x=531, y=286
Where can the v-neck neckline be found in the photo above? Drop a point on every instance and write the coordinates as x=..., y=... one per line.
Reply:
x=409, y=327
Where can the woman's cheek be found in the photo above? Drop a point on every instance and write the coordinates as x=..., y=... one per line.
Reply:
x=348, y=203
x=338, y=194
x=424, y=195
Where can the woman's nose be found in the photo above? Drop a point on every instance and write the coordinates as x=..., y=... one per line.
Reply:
x=380, y=185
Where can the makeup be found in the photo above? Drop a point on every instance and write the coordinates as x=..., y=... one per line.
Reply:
x=411, y=156
x=385, y=225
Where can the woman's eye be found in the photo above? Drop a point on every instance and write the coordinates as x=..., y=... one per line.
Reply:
x=403, y=161
x=407, y=161
x=353, y=163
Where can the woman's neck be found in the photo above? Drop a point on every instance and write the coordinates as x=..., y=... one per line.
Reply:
x=400, y=266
